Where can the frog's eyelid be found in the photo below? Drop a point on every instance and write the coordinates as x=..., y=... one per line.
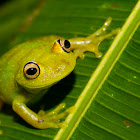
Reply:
x=32, y=63
x=62, y=46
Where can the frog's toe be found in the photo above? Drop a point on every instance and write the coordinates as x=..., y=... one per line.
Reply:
x=98, y=54
x=56, y=117
x=65, y=113
x=116, y=31
x=64, y=124
x=41, y=112
x=71, y=109
x=52, y=119
x=53, y=112
x=58, y=108
x=55, y=124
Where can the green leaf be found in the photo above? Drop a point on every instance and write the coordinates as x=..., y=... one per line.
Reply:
x=105, y=92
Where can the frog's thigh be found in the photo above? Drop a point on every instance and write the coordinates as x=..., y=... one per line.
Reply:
x=1, y=104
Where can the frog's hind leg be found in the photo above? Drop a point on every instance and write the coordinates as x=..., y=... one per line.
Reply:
x=1, y=104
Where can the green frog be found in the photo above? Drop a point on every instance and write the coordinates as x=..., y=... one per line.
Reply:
x=31, y=68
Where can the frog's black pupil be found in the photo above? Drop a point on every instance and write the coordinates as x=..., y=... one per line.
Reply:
x=31, y=71
x=67, y=44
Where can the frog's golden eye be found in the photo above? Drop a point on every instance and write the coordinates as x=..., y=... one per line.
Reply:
x=65, y=44
x=31, y=70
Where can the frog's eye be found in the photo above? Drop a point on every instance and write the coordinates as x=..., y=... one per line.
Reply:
x=65, y=44
x=31, y=70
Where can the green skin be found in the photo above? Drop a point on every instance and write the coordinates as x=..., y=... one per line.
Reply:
x=55, y=64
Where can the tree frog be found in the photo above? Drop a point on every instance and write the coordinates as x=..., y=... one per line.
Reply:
x=31, y=68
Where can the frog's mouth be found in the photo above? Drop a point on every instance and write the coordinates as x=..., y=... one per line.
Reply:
x=36, y=90
x=41, y=83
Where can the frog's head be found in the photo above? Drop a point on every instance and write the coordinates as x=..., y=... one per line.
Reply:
x=45, y=66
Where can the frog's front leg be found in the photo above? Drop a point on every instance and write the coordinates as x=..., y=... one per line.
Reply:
x=40, y=120
x=91, y=43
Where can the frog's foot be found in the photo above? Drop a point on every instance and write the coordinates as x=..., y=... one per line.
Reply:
x=55, y=111
x=53, y=117
x=93, y=46
x=98, y=36
x=91, y=43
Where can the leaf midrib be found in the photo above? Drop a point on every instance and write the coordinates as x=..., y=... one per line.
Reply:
x=101, y=73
